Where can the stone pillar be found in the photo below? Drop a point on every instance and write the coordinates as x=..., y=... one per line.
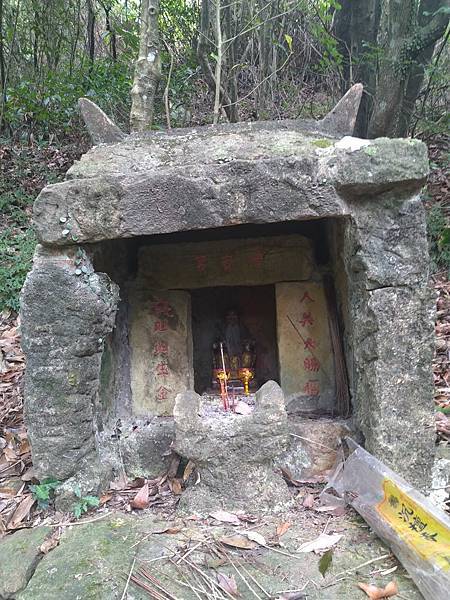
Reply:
x=304, y=346
x=67, y=311
x=161, y=350
x=390, y=307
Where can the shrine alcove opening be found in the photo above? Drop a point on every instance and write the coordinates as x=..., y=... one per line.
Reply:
x=244, y=316
x=177, y=292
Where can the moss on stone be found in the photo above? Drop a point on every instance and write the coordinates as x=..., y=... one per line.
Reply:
x=322, y=143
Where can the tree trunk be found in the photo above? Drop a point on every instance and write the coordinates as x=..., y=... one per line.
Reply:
x=91, y=34
x=416, y=76
x=2, y=68
x=356, y=26
x=405, y=42
x=264, y=48
x=202, y=55
x=110, y=30
x=147, y=70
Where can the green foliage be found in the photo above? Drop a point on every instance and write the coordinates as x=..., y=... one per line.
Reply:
x=325, y=562
x=16, y=249
x=50, y=107
x=439, y=238
x=84, y=503
x=43, y=492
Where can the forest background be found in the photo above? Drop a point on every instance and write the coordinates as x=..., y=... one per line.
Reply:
x=217, y=60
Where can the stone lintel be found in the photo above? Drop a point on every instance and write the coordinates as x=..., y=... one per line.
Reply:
x=212, y=178
x=231, y=262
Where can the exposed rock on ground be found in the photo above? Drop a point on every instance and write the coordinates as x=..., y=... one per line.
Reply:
x=185, y=554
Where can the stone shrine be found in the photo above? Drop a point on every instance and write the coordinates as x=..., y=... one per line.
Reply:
x=315, y=239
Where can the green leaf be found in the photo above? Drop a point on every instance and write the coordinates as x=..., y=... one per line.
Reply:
x=77, y=491
x=91, y=500
x=325, y=562
x=77, y=510
x=288, y=39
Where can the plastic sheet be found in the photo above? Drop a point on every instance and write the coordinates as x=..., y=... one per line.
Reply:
x=417, y=532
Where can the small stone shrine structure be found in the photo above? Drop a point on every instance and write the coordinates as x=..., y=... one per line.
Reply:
x=315, y=238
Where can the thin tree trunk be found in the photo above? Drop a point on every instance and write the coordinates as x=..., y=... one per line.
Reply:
x=3, y=96
x=148, y=69
x=2, y=66
x=91, y=34
x=110, y=30
x=218, y=74
x=202, y=55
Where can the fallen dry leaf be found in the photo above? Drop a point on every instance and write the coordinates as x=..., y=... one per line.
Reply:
x=50, y=542
x=188, y=470
x=227, y=583
x=141, y=499
x=6, y=492
x=168, y=530
x=308, y=501
x=21, y=513
x=225, y=517
x=256, y=537
x=29, y=475
x=323, y=542
x=282, y=528
x=175, y=486
x=336, y=511
x=120, y=483
x=238, y=541
x=248, y=518
x=24, y=446
x=376, y=593
x=104, y=498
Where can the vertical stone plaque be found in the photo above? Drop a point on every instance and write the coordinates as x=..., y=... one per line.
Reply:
x=161, y=346
x=304, y=344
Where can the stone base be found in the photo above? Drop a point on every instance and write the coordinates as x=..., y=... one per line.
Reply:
x=253, y=490
x=314, y=452
x=233, y=453
x=146, y=447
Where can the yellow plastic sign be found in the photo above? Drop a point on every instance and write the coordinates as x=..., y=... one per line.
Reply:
x=416, y=526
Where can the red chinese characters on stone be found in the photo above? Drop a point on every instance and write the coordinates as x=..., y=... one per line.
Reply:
x=227, y=263
x=162, y=393
x=307, y=319
x=162, y=369
x=310, y=344
x=161, y=349
x=311, y=363
x=161, y=325
x=312, y=388
x=306, y=298
x=201, y=262
x=257, y=258
x=162, y=308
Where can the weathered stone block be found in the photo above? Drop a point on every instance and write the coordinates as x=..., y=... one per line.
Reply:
x=234, y=453
x=304, y=346
x=67, y=311
x=161, y=350
x=146, y=448
x=313, y=445
x=258, y=261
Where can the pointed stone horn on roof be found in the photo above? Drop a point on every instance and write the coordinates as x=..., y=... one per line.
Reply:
x=100, y=127
x=341, y=119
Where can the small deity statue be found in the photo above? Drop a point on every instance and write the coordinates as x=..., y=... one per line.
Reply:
x=249, y=355
x=238, y=348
